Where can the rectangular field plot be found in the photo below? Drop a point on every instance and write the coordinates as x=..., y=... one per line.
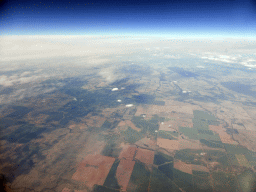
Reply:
x=200, y=124
x=139, y=180
x=212, y=144
x=191, y=133
x=159, y=182
x=183, y=180
x=203, y=115
x=111, y=181
x=213, y=137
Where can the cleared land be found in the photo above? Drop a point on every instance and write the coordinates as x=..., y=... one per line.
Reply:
x=127, y=152
x=145, y=156
x=168, y=144
x=123, y=173
x=93, y=169
x=187, y=168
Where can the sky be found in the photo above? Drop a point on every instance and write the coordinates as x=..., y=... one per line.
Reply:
x=172, y=18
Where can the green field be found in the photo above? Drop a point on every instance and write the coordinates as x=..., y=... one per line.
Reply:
x=225, y=182
x=183, y=180
x=99, y=188
x=139, y=180
x=213, y=144
x=201, y=184
x=234, y=150
x=147, y=126
x=213, y=137
x=111, y=181
x=189, y=156
x=200, y=124
x=131, y=135
x=203, y=115
x=201, y=174
x=159, y=182
x=166, y=135
x=161, y=158
x=191, y=133
x=217, y=156
x=167, y=169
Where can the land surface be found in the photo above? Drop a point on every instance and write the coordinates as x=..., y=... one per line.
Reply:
x=161, y=126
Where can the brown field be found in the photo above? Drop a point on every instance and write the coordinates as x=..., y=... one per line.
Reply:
x=246, y=139
x=145, y=156
x=140, y=110
x=187, y=124
x=249, y=124
x=225, y=138
x=170, y=106
x=130, y=124
x=93, y=169
x=189, y=144
x=200, y=168
x=168, y=144
x=128, y=152
x=178, y=144
x=123, y=173
x=78, y=126
x=178, y=107
x=147, y=143
x=121, y=124
x=238, y=127
x=187, y=168
x=66, y=190
x=94, y=121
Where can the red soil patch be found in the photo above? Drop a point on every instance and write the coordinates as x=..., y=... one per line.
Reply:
x=93, y=169
x=168, y=144
x=66, y=190
x=123, y=173
x=200, y=168
x=145, y=156
x=187, y=168
x=127, y=152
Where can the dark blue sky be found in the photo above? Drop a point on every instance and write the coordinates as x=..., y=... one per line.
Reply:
x=212, y=18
